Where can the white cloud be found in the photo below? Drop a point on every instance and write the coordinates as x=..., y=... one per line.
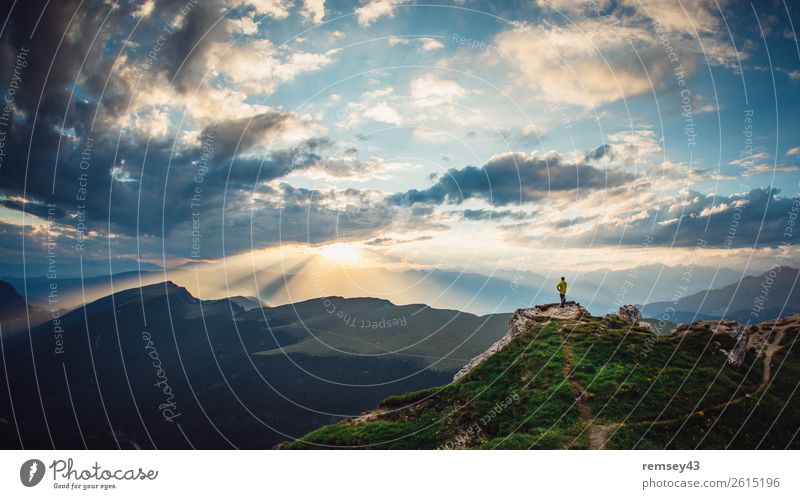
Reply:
x=773, y=168
x=635, y=145
x=279, y=9
x=313, y=10
x=118, y=174
x=399, y=40
x=700, y=105
x=429, y=44
x=432, y=91
x=571, y=6
x=372, y=106
x=591, y=60
x=257, y=66
x=145, y=9
x=794, y=151
x=564, y=63
x=749, y=160
x=384, y=113
x=372, y=10
x=426, y=43
x=245, y=25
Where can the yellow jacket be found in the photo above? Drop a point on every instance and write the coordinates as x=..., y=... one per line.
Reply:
x=562, y=287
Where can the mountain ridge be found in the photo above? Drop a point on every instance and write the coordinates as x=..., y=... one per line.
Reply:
x=742, y=301
x=207, y=351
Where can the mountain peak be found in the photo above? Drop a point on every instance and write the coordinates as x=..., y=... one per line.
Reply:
x=520, y=322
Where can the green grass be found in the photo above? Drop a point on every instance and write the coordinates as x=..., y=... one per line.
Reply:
x=646, y=384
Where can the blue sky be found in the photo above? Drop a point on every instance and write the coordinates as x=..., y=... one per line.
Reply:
x=468, y=135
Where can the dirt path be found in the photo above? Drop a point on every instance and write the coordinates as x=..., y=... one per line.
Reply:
x=768, y=352
x=598, y=434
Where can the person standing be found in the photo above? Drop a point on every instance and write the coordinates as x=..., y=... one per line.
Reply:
x=562, y=291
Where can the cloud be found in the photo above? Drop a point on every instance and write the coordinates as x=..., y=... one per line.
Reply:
x=119, y=174
x=40, y=210
x=240, y=136
x=313, y=10
x=668, y=174
x=257, y=66
x=145, y=9
x=517, y=177
x=773, y=168
x=483, y=214
x=700, y=105
x=756, y=163
x=570, y=6
x=794, y=151
x=611, y=53
x=758, y=217
x=279, y=9
x=374, y=106
x=604, y=151
x=429, y=44
x=633, y=146
x=564, y=63
x=384, y=113
x=425, y=43
x=390, y=241
x=372, y=10
x=428, y=91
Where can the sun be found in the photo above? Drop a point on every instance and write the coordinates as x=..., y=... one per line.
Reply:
x=340, y=252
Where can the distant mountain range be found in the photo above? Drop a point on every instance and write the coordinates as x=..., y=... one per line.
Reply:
x=775, y=293
x=502, y=292
x=15, y=313
x=155, y=367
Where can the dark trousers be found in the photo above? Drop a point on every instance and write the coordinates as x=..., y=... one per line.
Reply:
x=563, y=299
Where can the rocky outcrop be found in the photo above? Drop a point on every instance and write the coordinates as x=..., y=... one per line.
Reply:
x=740, y=344
x=520, y=322
x=632, y=315
x=729, y=338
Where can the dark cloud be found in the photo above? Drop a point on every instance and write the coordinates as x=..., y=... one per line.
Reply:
x=39, y=210
x=604, y=151
x=389, y=241
x=46, y=160
x=232, y=137
x=562, y=224
x=183, y=59
x=515, y=178
x=482, y=214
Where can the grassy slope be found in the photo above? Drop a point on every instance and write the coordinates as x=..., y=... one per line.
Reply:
x=591, y=384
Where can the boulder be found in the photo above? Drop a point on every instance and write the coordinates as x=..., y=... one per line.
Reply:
x=630, y=314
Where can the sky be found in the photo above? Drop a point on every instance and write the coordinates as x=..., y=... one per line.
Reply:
x=470, y=135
